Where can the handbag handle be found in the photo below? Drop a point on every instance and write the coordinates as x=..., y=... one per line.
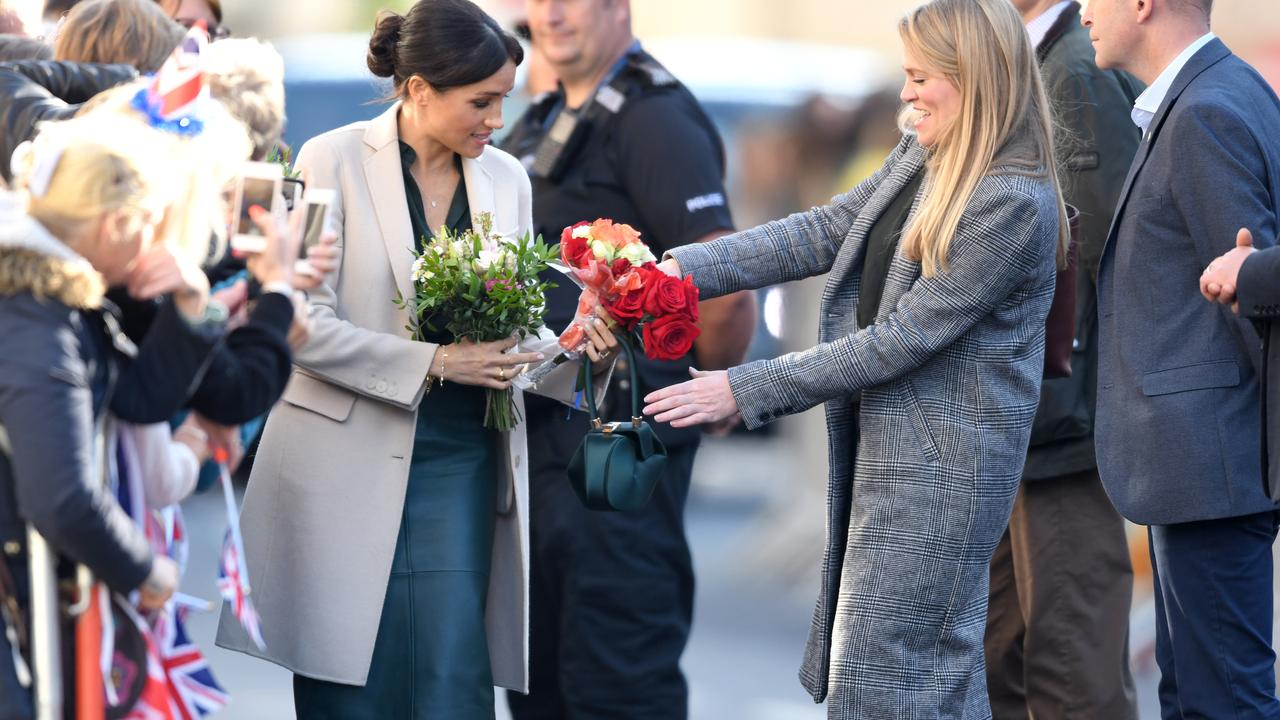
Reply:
x=589, y=387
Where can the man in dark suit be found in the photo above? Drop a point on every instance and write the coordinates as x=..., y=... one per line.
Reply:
x=1061, y=581
x=1248, y=279
x=1178, y=379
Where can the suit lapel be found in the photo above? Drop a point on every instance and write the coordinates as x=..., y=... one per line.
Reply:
x=1068, y=20
x=1209, y=55
x=385, y=178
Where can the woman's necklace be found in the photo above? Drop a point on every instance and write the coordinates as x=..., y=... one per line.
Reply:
x=431, y=201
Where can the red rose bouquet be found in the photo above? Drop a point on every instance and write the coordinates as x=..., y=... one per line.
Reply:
x=619, y=273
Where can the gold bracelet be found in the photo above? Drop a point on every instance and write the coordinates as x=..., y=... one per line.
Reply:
x=443, y=357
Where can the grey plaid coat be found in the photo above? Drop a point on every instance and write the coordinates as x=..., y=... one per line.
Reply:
x=924, y=476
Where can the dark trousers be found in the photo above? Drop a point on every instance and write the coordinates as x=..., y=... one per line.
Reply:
x=611, y=597
x=1057, y=641
x=1214, y=617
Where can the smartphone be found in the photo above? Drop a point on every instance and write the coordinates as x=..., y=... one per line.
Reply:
x=318, y=205
x=259, y=184
x=293, y=192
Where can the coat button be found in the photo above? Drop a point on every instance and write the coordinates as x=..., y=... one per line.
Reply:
x=371, y=384
x=382, y=386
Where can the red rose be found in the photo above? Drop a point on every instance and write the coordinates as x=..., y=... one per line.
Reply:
x=620, y=267
x=627, y=309
x=573, y=248
x=663, y=295
x=669, y=338
x=691, y=298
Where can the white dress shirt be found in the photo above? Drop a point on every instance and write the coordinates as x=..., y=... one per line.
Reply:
x=1148, y=103
x=1039, y=26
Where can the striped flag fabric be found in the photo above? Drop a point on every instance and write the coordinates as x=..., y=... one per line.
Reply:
x=193, y=691
x=233, y=574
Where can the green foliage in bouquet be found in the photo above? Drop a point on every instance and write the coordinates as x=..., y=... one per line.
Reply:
x=283, y=157
x=483, y=287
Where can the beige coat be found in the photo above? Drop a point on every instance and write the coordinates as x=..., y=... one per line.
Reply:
x=324, y=503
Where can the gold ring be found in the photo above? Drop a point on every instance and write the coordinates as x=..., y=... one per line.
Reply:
x=502, y=374
x=604, y=354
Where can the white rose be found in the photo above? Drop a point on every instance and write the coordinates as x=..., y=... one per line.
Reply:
x=485, y=260
x=457, y=248
x=583, y=231
x=637, y=254
x=602, y=250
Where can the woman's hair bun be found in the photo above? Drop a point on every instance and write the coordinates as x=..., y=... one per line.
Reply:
x=382, y=44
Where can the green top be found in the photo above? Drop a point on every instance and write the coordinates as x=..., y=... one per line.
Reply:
x=882, y=244
x=459, y=218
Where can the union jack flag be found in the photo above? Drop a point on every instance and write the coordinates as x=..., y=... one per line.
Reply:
x=153, y=703
x=234, y=588
x=193, y=692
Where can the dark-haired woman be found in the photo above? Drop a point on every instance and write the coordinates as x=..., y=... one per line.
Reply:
x=385, y=527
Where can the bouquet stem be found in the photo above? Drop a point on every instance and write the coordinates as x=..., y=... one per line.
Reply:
x=500, y=412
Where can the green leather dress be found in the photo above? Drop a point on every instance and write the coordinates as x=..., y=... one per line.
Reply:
x=431, y=657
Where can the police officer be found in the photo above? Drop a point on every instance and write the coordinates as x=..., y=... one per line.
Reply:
x=612, y=593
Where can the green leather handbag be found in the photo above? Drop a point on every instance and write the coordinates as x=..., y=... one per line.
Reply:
x=618, y=464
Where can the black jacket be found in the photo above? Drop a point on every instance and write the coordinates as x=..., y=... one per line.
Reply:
x=57, y=368
x=1096, y=147
x=229, y=379
x=36, y=90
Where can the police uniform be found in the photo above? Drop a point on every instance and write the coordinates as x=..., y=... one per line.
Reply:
x=612, y=593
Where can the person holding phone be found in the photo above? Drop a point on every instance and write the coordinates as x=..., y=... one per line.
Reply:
x=385, y=528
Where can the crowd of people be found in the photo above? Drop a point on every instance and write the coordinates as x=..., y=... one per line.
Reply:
x=1115, y=160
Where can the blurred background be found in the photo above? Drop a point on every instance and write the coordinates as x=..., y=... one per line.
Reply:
x=804, y=93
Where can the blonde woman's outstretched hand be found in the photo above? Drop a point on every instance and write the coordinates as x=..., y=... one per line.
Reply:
x=707, y=398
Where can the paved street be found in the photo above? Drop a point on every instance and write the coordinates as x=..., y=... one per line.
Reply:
x=750, y=623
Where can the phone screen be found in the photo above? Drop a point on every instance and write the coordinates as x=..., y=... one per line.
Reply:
x=314, y=227
x=256, y=191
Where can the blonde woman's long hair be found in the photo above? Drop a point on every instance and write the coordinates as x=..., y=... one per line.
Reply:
x=981, y=47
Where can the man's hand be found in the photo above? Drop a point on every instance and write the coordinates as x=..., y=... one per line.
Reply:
x=707, y=398
x=1218, y=282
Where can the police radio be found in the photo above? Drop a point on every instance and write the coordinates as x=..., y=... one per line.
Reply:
x=552, y=156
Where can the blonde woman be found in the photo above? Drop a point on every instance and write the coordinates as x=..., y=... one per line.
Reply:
x=941, y=271
x=92, y=196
